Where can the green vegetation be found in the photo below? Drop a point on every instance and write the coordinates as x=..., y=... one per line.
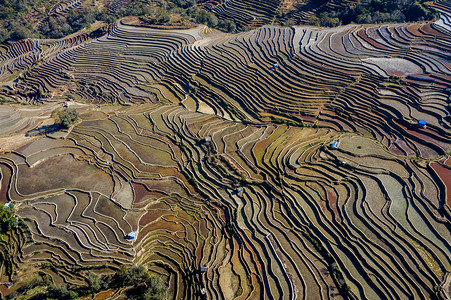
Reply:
x=377, y=11
x=201, y=16
x=8, y=220
x=136, y=280
x=183, y=13
x=60, y=292
x=288, y=122
x=143, y=285
x=15, y=25
x=4, y=100
x=37, y=282
x=13, y=8
x=239, y=291
x=155, y=288
x=56, y=27
x=15, y=21
x=94, y=282
x=65, y=117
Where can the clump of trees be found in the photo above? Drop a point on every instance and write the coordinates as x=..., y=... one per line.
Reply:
x=13, y=23
x=60, y=292
x=15, y=26
x=185, y=12
x=65, y=117
x=210, y=19
x=376, y=11
x=56, y=27
x=12, y=8
x=144, y=286
x=8, y=219
x=40, y=280
x=327, y=21
x=15, y=31
x=8, y=223
x=137, y=281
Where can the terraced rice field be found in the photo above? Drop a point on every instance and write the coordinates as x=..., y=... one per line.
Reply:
x=220, y=156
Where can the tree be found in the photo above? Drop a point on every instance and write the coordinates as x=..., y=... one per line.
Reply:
x=66, y=117
x=7, y=219
x=230, y=26
x=134, y=274
x=143, y=286
x=415, y=12
x=4, y=35
x=156, y=290
x=131, y=276
x=60, y=292
x=94, y=282
x=20, y=33
x=212, y=20
x=325, y=20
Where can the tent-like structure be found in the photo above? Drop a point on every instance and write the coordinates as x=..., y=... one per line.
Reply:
x=131, y=236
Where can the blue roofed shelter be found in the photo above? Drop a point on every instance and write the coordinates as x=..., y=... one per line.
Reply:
x=131, y=236
x=422, y=123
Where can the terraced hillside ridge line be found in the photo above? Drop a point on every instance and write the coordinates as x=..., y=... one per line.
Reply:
x=337, y=78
